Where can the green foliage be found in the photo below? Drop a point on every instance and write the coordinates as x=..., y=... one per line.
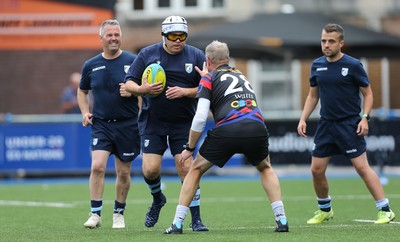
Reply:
x=234, y=210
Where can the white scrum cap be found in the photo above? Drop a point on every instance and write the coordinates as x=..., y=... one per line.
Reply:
x=174, y=24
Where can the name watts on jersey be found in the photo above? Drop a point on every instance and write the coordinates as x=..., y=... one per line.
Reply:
x=322, y=69
x=99, y=68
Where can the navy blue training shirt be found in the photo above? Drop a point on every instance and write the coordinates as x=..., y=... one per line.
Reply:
x=338, y=84
x=179, y=70
x=103, y=77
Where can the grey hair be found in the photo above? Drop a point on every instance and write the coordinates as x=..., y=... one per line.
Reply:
x=217, y=52
x=108, y=22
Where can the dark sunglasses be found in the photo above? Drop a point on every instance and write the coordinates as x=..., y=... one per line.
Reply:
x=174, y=37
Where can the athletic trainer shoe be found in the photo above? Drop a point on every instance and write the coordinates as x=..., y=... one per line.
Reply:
x=282, y=225
x=321, y=216
x=154, y=212
x=94, y=221
x=173, y=229
x=198, y=226
x=385, y=217
x=118, y=221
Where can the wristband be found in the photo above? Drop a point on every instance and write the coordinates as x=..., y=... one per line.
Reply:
x=365, y=115
x=187, y=147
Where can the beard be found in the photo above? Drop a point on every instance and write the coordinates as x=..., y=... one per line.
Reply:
x=331, y=54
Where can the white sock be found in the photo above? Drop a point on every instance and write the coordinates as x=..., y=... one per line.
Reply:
x=180, y=214
x=381, y=203
x=278, y=209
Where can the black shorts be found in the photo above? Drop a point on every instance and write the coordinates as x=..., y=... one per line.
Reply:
x=338, y=137
x=159, y=135
x=120, y=137
x=218, y=149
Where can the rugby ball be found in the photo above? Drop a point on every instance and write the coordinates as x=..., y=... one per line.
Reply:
x=155, y=73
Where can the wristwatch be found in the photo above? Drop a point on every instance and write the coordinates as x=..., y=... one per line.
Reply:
x=365, y=115
x=187, y=147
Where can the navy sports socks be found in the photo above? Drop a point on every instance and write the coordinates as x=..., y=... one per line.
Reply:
x=155, y=188
x=195, y=206
x=324, y=204
x=119, y=207
x=96, y=206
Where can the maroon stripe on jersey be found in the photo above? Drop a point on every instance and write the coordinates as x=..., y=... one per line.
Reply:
x=206, y=82
x=259, y=116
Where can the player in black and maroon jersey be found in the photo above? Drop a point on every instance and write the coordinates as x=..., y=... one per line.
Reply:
x=239, y=128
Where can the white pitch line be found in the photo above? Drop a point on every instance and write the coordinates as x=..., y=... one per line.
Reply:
x=371, y=221
x=248, y=199
x=175, y=200
x=36, y=204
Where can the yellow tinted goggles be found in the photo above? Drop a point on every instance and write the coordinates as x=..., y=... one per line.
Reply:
x=174, y=36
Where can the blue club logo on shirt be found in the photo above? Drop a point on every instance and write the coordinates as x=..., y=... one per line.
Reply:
x=189, y=67
x=126, y=68
x=345, y=71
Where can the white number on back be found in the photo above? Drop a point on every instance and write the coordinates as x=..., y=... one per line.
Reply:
x=234, y=81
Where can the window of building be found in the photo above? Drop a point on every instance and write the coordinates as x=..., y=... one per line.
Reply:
x=138, y=5
x=190, y=3
x=149, y=10
x=164, y=3
x=273, y=86
x=217, y=3
x=276, y=95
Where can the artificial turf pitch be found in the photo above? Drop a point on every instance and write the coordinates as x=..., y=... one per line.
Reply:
x=233, y=209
